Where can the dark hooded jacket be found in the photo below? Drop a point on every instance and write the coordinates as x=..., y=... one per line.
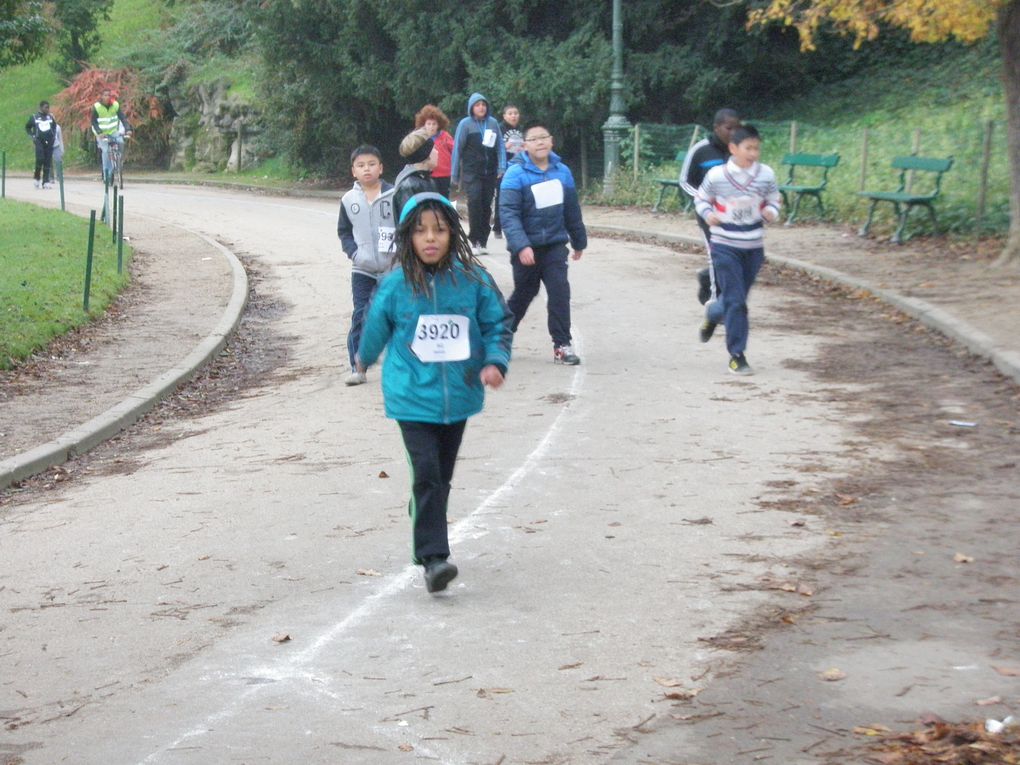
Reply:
x=478, y=150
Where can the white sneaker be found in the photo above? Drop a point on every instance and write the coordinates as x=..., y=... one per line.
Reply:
x=356, y=378
x=476, y=250
x=38, y=185
x=47, y=185
x=483, y=250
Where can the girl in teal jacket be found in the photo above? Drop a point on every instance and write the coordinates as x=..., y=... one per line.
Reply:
x=446, y=331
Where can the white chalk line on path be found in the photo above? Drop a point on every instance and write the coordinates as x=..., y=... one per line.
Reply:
x=293, y=666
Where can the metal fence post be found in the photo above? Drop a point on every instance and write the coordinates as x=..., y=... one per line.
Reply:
x=793, y=137
x=986, y=158
x=113, y=216
x=60, y=181
x=915, y=150
x=88, y=259
x=3, y=175
x=120, y=236
x=637, y=149
x=864, y=159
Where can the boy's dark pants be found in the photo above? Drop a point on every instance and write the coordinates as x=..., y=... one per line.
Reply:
x=735, y=272
x=550, y=269
x=43, y=160
x=432, y=453
x=362, y=289
x=480, y=190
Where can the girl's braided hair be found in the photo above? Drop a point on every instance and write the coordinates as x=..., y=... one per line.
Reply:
x=417, y=273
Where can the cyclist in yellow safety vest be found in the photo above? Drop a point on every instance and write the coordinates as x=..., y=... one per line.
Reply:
x=107, y=119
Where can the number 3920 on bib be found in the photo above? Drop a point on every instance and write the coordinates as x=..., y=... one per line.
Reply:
x=442, y=337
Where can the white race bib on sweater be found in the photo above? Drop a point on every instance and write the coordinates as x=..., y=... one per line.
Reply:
x=489, y=138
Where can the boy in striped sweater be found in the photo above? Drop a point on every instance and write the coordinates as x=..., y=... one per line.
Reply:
x=736, y=199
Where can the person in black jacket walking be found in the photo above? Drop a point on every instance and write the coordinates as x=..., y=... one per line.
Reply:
x=42, y=128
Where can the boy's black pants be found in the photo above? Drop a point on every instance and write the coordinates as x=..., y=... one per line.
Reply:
x=550, y=269
x=43, y=160
x=480, y=191
x=432, y=453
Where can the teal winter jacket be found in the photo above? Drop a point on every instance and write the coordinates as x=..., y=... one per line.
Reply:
x=439, y=392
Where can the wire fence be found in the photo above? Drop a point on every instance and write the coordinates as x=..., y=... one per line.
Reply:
x=975, y=192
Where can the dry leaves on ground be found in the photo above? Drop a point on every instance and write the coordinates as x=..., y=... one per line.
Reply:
x=959, y=744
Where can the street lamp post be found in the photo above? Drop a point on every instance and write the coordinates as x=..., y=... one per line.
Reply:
x=617, y=124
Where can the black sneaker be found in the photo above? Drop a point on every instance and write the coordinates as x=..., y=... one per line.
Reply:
x=439, y=572
x=704, y=286
x=707, y=330
x=739, y=365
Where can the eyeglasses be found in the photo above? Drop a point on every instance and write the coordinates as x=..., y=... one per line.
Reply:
x=537, y=138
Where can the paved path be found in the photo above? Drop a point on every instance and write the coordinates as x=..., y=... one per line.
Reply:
x=605, y=519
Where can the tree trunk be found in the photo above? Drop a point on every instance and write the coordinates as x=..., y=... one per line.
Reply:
x=1008, y=27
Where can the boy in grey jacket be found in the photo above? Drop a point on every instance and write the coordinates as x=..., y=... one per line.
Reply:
x=366, y=228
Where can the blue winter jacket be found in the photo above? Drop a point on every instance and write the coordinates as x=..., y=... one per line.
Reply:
x=439, y=392
x=524, y=223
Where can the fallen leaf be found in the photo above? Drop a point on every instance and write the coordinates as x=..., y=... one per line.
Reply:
x=283, y=637
x=684, y=695
x=872, y=730
x=846, y=500
x=1008, y=671
x=668, y=682
x=989, y=701
x=788, y=619
x=367, y=572
x=575, y=665
x=798, y=522
x=803, y=589
x=961, y=558
x=405, y=748
x=832, y=675
x=384, y=474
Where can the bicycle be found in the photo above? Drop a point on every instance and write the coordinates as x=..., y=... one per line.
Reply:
x=116, y=149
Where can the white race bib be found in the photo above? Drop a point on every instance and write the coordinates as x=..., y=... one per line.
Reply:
x=548, y=193
x=489, y=138
x=386, y=236
x=43, y=127
x=442, y=337
x=741, y=210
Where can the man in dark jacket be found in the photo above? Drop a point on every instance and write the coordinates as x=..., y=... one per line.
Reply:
x=479, y=160
x=541, y=214
x=43, y=130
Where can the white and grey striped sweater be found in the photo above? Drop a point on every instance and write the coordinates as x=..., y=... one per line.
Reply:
x=738, y=197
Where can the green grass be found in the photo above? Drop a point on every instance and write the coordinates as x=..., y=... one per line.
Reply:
x=42, y=276
x=21, y=90
x=128, y=20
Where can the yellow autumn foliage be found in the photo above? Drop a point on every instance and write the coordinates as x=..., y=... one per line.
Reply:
x=926, y=20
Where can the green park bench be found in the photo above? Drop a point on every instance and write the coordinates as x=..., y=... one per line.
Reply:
x=822, y=164
x=903, y=200
x=665, y=184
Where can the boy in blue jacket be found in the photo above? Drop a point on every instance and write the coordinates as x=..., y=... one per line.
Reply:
x=541, y=214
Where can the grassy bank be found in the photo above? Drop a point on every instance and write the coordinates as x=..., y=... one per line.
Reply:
x=940, y=101
x=42, y=276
